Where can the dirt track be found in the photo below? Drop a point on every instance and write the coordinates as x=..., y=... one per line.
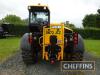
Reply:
x=15, y=66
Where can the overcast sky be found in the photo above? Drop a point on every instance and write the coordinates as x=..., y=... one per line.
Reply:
x=61, y=10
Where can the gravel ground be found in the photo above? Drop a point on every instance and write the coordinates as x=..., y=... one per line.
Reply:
x=15, y=66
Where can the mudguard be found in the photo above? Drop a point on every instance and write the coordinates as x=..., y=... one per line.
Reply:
x=25, y=45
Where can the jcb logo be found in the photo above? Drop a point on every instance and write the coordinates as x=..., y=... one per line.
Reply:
x=57, y=31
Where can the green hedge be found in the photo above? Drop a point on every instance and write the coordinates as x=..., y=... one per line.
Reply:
x=91, y=33
x=18, y=30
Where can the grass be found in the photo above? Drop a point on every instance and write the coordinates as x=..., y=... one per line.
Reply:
x=93, y=46
x=8, y=47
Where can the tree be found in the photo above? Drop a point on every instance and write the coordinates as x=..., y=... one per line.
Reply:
x=89, y=20
x=92, y=20
x=98, y=11
x=12, y=19
x=26, y=21
x=70, y=25
x=98, y=20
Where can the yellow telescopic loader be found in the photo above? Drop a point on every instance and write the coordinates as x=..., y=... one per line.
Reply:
x=50, y=42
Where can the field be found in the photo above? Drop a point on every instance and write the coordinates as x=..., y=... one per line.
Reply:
x=8, y=47
x=93, y=46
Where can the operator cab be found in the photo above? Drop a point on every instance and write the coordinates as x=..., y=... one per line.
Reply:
x=39, y=16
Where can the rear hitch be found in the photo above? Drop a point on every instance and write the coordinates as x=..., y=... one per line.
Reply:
x=52, y=61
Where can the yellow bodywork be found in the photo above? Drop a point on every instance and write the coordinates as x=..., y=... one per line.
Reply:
x=57, y=30
x=66, y=28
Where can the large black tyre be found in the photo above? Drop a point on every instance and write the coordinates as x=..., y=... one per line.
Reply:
x=27, y=53
x=78, y=51
x=28, y=57
x=75, y=53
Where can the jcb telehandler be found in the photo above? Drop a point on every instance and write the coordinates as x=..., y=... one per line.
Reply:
x=51, y=42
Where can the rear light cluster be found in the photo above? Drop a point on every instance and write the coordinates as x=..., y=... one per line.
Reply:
x=75, y=38
x=30, y=39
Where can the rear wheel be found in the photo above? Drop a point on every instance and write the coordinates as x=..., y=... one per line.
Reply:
x=75, y=53
x=77, y=56
x=28, y=57
x=78, y=52
x=28, y=54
